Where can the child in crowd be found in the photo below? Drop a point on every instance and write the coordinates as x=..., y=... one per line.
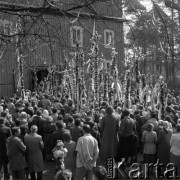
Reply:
x=59, y=153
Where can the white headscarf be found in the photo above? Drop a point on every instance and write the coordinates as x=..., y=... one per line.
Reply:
x=167, y=125
x=1, y=109
x=45, y=113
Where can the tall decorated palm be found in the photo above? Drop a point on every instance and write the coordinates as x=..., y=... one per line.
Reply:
x=73, y=76
x=105, y=96
x=94, y=67
x=78, y=77
x=83, y=95
x=127, y=87
x=116, y=85
x=162, y=97
x=138, y=80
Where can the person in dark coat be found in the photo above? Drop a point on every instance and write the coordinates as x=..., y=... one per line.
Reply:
x=27, y=110
x=95, y=133
x=5, y=132
x=38, y=121
x=128, y=138
x=58, y=133
x=21, y=136
x=70, y=123
x=34, y=145
x=109, y=127
x=76, y=131
x=45, y=103
x=48, y=129
x=163, y=142
x=138, y=122
x=16, y=154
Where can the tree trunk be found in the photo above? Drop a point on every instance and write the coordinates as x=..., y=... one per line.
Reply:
x=145, y=61
x=172, y=51
x=166, y=64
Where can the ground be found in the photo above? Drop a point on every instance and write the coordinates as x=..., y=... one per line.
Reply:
x=48, y=173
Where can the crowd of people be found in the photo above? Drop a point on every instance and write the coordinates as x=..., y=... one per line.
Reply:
x=40, y=128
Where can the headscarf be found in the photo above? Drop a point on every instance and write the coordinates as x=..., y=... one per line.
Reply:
x=1, y=109
x=23, y=115
x=167, y=125
x=45, y=113
x=161, y=124
x=23, y=119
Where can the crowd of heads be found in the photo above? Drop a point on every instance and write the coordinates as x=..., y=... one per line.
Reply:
x=61, y=112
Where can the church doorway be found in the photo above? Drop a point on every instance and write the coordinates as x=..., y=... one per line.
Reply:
x=41, y=74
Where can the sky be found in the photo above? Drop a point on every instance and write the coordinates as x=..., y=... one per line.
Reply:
x=147, y=4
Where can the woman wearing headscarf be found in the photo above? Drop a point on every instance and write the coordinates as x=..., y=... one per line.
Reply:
x=1, y=109
x=171, y=123
x=45, y=114
x=48, y=129
x=163, y=144
x=22, y=120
